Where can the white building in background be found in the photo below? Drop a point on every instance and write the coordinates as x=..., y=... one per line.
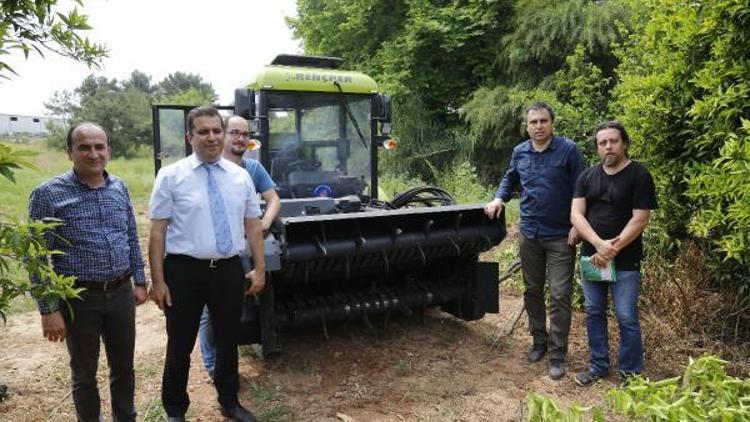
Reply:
x=17, y=124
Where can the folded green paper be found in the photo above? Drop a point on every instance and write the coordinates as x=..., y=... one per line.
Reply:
x=591, y=272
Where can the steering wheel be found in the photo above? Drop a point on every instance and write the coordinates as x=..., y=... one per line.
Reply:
x=304, y=165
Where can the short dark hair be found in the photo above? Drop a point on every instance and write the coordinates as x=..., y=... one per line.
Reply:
x=73, y=128
x=203, y=111
x=611, y=124
x=540, y=105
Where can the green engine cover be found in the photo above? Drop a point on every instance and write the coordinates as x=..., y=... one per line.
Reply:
x=292, y=78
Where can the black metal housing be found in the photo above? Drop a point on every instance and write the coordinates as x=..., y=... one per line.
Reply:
x=348, y=266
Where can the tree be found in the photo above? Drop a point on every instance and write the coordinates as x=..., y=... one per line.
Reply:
x=124, y=113
x=545, y=33
x=92, y=85
x=62, y=104
x=178, y=82
x=37, y=26
x=403, y=44
x=140, y=81
x=352, y=29
x=190, y=96
x=123, y=108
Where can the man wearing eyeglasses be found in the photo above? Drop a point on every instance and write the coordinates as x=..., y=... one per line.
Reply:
x=235, y=145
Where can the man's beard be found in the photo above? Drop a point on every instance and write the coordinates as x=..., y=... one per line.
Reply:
x=612, y=160
x=239, y=152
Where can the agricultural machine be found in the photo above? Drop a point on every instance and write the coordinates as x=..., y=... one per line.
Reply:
x=337, y=252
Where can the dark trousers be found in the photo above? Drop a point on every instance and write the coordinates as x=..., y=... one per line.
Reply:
x=111, y=317
x=193, y=284
x=552, y=260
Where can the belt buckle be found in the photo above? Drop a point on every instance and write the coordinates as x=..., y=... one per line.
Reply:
x=104, y=285
x=212, y=263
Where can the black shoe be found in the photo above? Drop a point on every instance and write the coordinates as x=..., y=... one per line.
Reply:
x=556, y=369
x=587, y=378
x=175, y=418
x=237, y=413
x=536, y=353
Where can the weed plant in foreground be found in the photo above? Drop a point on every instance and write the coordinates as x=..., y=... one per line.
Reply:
x=704, y=392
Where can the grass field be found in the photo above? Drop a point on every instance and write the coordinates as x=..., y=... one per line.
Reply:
x=137, y=172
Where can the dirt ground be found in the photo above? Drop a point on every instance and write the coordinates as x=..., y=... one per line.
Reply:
x=436, y=368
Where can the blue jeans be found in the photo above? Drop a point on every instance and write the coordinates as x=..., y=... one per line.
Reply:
x=208, y=346
x=625, y=293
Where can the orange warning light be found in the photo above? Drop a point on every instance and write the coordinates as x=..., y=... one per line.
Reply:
x=253, y=144
x=390, y=144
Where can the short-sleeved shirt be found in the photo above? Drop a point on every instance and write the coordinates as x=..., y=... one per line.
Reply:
x=261, y=179
x=610, y=201
x=546, y=180
x=180, y=195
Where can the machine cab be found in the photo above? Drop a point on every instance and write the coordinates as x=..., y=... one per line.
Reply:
x=313, y=148
x=318, y=128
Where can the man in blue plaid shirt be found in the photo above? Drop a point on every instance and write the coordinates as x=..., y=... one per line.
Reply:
x=100, y=244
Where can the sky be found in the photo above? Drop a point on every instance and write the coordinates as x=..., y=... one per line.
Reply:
x=224, y=41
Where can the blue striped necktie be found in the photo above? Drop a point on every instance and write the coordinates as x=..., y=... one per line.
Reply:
x=218, y=214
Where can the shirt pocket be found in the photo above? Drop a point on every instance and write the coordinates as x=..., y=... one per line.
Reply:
x=523, y=163
x=556, y=166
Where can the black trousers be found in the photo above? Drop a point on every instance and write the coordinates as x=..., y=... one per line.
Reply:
x=192, y=284
x=111, y=317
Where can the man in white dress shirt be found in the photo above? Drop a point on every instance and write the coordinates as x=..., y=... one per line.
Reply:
x=202, y=210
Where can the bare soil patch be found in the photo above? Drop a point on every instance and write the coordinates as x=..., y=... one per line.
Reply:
x=429, y=368
x=435, y=368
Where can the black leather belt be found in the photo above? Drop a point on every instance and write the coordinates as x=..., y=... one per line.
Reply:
x=210, y=263
x=103, y=286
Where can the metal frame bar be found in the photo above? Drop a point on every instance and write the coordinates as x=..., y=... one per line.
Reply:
x=156, y=127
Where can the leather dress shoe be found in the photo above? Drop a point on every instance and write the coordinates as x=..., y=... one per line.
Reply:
x=237, y=413
x=536, y=353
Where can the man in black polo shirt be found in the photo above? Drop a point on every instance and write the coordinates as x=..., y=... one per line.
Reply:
x=611, y=206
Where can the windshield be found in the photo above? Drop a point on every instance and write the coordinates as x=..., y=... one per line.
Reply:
x=314, y=149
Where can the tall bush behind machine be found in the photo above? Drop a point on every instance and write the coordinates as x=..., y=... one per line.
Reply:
x=336, y=251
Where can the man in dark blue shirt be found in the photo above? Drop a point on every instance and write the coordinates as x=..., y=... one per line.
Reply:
x=544, y=168
x=100, y=248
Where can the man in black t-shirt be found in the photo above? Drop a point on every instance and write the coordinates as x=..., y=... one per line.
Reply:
x=611, y=206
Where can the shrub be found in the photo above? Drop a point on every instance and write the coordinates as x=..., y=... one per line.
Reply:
x=684, y=89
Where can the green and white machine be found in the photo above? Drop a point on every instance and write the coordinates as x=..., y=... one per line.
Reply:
x=337, y=251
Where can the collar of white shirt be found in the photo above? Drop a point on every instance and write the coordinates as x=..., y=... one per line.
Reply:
x=195, y=162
